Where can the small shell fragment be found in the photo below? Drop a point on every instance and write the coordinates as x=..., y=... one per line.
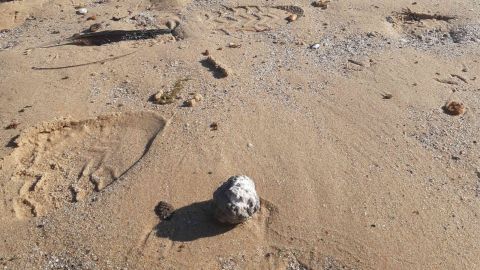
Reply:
x=315, y=46
x=82, y=11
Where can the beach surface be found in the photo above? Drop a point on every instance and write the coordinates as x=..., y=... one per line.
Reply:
x=340, y=111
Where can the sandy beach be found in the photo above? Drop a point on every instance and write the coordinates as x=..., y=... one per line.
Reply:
x=357, y=120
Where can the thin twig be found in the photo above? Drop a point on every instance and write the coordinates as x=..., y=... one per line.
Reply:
x=85, y=64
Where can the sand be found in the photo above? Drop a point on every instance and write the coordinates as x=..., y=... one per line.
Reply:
x=357, y=163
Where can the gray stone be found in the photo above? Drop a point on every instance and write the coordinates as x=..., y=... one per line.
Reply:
x=236, y=200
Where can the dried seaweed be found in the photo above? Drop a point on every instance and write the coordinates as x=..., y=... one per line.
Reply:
x=106, y=37
x=218, y=69
x=170, y=96
x=409, y=15
x=292, y=9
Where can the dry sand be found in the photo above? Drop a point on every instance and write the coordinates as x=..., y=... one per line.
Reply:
x=357, y=164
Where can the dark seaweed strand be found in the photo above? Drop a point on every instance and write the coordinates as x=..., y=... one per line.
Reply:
x=105, y=37
x=292, y=9
x=415, y=16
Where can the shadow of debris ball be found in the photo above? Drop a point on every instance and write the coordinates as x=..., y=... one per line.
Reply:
x=191, y=222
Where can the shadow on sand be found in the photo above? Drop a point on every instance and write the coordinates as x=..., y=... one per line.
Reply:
x=191, y=222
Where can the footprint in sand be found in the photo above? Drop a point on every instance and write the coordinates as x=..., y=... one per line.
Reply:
x=250, y=18
x=65, y=161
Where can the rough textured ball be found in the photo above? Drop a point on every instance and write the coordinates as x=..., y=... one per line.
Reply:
x=236, y=200
x=164, y=210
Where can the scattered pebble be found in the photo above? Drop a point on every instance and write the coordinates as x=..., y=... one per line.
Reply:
x=234, y=45
x=291, y=18
x=190, y=102
x=95, y=27
x=206, y=53
x=213, y=126
x=164, y=210
x=315, y=46
x=198, y=97
x=163, y=98
x=12, y=125
x=323, y=4
x=387, y=96
x=193, y=101
x=171, y=24
x=82, y=11
x=249, y=145
x=158, y=96
x=454, y=108
x=92, y=18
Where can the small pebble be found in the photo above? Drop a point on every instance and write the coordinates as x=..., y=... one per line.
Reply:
x=158, y=96
x=13, y=125
x=234, y=45
x=95, y=27
x=213, y=126
x=82, y=11
x=190, y=103
x=323, y=4
x=171, y=24
x=454, y=108
x=387, y=96
x=315, y=46
x=292, y=17
x=198, y=97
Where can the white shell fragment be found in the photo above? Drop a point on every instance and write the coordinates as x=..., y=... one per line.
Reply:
x=82, y=11
x=315, y=46
x=236, y=200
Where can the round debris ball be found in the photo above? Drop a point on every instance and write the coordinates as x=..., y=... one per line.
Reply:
x=164, y=210
x=236, y=200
